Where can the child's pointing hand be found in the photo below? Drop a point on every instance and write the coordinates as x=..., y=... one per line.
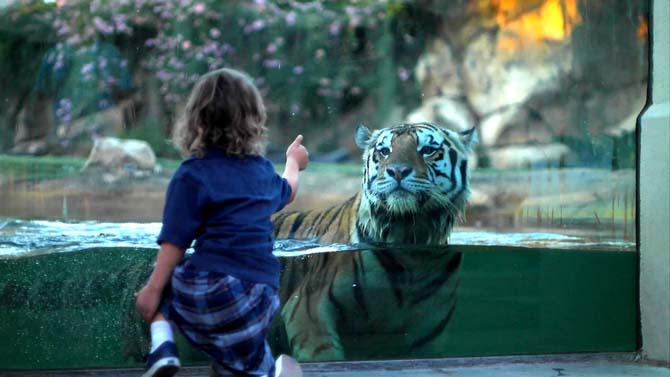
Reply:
x=298, y=153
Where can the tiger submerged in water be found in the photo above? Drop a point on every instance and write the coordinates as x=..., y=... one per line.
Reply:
x=415, y=186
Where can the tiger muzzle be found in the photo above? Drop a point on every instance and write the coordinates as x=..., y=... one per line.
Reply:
x=398, y=172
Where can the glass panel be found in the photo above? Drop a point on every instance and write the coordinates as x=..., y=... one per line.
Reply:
x=551, y=88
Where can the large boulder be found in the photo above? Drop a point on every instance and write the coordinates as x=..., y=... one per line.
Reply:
x=116, y=155
x=527, y=156
x=445, y=112
x=437, y=72
x=539, y=94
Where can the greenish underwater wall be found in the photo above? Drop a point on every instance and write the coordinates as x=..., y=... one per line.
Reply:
x=75, y=310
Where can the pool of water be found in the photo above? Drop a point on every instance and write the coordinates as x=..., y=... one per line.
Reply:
x=534, y=293
x=34, y=237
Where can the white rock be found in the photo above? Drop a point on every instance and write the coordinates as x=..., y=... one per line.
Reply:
x=495, y=79
x=437, y=72
x=114, y=154
x=444, y=112
x=524, y=156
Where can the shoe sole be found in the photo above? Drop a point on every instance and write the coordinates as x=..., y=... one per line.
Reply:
x=166, y=367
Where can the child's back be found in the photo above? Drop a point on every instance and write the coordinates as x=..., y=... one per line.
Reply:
x=224, y=296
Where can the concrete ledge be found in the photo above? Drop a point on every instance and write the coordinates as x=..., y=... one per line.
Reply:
x=587, y=365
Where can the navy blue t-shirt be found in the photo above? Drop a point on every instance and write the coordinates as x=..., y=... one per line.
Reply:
x=224, y=203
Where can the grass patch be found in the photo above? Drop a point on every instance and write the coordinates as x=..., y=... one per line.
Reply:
x=54, y=167
x=321, y=167
x=39, y=168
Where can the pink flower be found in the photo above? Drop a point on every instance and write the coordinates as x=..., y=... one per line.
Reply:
x=87, y=68
x=258, y=24
x=102, y=26
x=291, y=18
x=198, y=8
x=63, y=30
x=261, y=4
x=185, y=45
x=298, y=70
x=403, y=74
x=334, y=28
x=215, y=33
x=272, y=63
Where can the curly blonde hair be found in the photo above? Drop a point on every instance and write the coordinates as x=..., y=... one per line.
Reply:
x=225, y=110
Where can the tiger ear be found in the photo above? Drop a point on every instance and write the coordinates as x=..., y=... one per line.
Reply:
x=362, y=136
x=469, y=138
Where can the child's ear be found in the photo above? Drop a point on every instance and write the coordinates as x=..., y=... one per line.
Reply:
x=362, y=136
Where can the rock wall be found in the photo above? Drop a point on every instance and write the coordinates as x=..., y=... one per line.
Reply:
x=527, y=87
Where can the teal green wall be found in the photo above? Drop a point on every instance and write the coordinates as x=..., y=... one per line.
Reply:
x=74, y=310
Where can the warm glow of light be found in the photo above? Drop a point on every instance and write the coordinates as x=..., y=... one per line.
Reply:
x=522, y=21
x=554, y=19
x=643, y=29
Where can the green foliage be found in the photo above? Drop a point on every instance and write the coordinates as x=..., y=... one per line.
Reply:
x=315, y=62
x=320, y=64
x=152, y=131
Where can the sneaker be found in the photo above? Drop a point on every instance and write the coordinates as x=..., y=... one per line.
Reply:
x=162, y=362
x=286, y=366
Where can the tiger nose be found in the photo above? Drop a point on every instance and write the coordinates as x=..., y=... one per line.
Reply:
x=398, y=171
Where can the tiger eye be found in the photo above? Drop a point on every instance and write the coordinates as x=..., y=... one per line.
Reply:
x=427, y=150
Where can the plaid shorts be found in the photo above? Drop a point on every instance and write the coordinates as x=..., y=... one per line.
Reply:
x=225, y=317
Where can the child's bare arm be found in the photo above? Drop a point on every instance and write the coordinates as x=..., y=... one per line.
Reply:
x=148, y=298
x=297, y=159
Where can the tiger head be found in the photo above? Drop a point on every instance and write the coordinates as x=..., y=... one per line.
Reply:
x=415, y=182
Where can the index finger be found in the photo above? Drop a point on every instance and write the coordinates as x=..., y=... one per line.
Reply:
x=297, y=141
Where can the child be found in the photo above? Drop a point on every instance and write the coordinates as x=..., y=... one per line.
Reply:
x=224, y=296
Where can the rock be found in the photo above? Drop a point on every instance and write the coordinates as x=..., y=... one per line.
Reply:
x=445, y=112
x=495, y=78
x=515, y=125
x=34, y=123
x=35, y=147
x=518, y=90
x=525, y=156
x=116, y=155
x=437, y=72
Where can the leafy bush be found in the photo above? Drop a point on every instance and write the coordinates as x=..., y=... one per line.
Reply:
x=315, y=61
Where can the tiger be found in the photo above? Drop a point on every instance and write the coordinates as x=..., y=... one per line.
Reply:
x=415, y=186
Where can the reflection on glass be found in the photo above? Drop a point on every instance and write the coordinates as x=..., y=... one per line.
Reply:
x=552, y=87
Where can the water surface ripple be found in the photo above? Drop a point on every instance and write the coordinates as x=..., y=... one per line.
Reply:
x=33, y=237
